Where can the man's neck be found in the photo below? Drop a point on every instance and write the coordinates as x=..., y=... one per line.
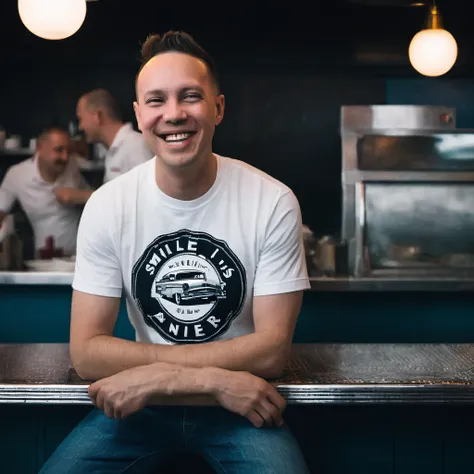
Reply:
x=110, y=132
x=189, y=183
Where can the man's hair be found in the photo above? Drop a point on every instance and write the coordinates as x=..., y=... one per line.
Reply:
x=47, y=131
x=103, y=99
x=180, y=42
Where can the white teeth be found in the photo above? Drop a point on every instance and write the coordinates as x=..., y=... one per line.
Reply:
x=178, y=137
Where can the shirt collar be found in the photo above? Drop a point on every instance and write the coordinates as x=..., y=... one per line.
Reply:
x=124, y=130
x=36, y=172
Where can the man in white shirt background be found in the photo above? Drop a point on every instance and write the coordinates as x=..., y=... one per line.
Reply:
x=101, y=121
x=33, y=183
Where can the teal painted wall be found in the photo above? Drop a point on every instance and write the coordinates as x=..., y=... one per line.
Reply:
x=373, y=317
x=42, y=314
x=37, y=313
x=444, y=91
x=335, y=439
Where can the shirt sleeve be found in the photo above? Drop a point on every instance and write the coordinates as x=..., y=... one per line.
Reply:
x=8, y=191
x=282, y=264
x=98, y=270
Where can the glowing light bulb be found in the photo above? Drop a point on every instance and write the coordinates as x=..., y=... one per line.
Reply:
x=433, y=52
x=52, y=19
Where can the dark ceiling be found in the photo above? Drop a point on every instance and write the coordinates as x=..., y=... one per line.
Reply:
x=369, y=30
x=135, y=18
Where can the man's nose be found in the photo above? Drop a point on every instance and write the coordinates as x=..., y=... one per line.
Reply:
x=174, y=112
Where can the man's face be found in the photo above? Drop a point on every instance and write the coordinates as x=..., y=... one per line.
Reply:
x=88, y=121
x=53, y=151
x=177, y=108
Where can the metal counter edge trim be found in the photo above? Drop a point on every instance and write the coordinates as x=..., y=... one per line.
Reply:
x=294, y=394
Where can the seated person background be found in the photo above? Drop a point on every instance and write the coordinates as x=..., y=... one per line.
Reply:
x=33, y=184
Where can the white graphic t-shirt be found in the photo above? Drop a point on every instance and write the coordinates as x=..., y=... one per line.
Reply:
x=189, y=269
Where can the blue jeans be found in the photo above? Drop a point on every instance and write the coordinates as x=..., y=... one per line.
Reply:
x=229, y=443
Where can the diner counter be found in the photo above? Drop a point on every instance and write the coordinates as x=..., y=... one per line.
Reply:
x=315, y=374
x=35, y=278
x=321, y=284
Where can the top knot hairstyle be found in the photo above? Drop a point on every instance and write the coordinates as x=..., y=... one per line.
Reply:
x=180, y=42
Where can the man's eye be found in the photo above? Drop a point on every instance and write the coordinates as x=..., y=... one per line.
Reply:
x=154, y=100
x=192, y=97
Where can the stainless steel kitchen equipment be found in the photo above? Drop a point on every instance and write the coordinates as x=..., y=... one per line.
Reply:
x=408, y=191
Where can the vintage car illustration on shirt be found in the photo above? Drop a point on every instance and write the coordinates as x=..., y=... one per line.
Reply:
x=190, y=286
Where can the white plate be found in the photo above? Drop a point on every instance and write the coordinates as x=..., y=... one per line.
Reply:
x=53, y=265
x=65, y=264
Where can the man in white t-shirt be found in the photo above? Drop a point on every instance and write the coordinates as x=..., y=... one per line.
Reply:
x=33, y=183
x=208, y=252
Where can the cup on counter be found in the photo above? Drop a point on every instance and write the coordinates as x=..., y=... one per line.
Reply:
x=331, y=257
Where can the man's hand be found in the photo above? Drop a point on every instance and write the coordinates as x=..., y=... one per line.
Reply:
x=124, y=393
x=65, y=195
x=129, y=391
x=250, y=396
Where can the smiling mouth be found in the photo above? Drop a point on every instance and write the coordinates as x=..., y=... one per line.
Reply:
x=176, y=137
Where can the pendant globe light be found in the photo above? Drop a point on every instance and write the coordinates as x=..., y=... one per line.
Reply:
x=433, y=50
x=52, y=19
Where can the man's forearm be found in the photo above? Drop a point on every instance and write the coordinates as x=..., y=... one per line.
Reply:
x=178, y=385
x=103, y=356
x=81, y=196
x=158, y=384
x=260, y=355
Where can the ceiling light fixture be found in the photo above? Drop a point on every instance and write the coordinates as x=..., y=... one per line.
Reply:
x=433, y=50
x=52, y=19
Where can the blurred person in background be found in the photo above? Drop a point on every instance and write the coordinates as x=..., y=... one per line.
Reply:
x=34, y=183
x=101, y=121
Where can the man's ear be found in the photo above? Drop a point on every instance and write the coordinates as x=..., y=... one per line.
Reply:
x=220, y=106
x=137, y=115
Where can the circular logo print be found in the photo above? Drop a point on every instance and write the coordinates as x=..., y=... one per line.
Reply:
x=188, y=286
